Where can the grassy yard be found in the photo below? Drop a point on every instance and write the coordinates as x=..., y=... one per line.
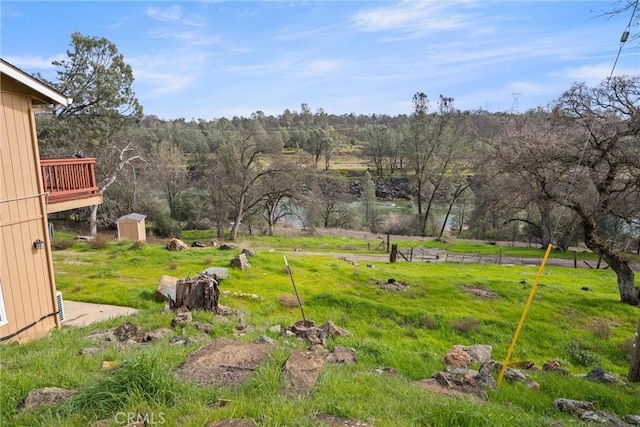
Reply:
x=408, y=331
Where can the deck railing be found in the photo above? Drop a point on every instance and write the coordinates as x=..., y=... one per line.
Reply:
x=69, y=179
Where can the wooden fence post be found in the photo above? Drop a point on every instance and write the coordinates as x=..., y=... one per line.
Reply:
x=394, y=253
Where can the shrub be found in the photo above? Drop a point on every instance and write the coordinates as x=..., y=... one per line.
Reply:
x=100, y=242
x=62, y=244
x=165, y=226
x=428, y=322
x=581, y=356
x=138, y=244
x=466, y=325
x=601, y=329
x=173, y=265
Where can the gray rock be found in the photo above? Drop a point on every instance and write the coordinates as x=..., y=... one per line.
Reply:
x=632, y=419
x=263, y=339
x=128, y=331
x=88, y=351
x=600, y=375
x=228, y=246
x=166, y=290
x=460, y=370
x=248, y=252
x=601, y=417
x=178, y=340
x=301, y=372
x=553, y=366
x=203, y=327
x=330, y=330
x=342, y=354
x=276, y=329
x=478, y=353
x=218, y=273
x=176, y=245
x=223, y=362
x=577, y=407
x=45, y=396
x=99, y=336
x=533, y=385
x=157, y=334
x=240, y=262
x=515, y=375
x=485, y=376
x=182, y=319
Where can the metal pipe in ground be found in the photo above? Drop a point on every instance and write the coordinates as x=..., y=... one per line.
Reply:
x=294, y=288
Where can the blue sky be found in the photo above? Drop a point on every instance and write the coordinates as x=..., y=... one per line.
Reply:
x=209, y=59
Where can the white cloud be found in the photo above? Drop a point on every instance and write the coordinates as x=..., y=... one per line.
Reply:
x=172, y=13
x=34, y=62
x=409, y=17
x=169, y=73
x=322, y=67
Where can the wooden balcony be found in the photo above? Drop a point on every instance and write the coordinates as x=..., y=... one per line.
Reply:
x=70, y=182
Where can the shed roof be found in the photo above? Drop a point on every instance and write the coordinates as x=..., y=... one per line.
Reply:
x=133, y=216
x=40, y=92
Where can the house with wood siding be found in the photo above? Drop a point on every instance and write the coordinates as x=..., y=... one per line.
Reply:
x=31, y=187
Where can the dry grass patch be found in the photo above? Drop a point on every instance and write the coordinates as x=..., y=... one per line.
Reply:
x=468, y=324
x=479, y=292
x=289, y=300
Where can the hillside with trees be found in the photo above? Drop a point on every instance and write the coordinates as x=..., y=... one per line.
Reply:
x=561, y=175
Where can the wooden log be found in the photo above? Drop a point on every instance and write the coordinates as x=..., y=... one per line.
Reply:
x=198, y=293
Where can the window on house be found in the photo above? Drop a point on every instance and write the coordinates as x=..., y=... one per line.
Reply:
x=3, y=313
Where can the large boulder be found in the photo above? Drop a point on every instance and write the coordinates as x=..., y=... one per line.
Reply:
x=240, y=262
x=343, y=355
x=166, y=290
x=223, y=362
x=301, y=372
x=478, y=353
x=177, y=245
x=218, y=273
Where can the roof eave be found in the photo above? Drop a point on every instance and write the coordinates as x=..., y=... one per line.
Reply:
x=49, y=94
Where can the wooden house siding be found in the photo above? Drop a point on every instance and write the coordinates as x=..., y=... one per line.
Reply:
x=26, y=273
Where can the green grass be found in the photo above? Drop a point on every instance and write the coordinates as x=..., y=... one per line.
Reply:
x=408, y=331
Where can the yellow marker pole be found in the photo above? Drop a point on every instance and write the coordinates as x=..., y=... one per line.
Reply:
x=524, y=314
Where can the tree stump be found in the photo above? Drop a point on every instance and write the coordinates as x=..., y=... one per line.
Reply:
x=198, y=293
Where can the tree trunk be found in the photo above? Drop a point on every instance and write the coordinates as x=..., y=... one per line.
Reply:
x=237, y=219
x=93, y=221
x=446, y=218
x=634, y=367
x=545, y=225
x=629, y=293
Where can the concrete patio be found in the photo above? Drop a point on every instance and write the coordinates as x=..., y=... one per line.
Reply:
x=84, y=313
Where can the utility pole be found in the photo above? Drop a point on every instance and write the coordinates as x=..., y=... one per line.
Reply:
x=514, y=105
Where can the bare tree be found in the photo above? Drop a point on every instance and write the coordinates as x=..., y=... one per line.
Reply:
x=602, y=160
x=241, y=170
x=426, y=141
x=169, y=171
